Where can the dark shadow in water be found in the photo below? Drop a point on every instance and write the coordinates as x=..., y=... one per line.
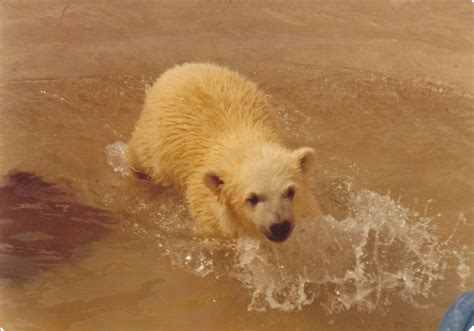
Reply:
x=40, y=225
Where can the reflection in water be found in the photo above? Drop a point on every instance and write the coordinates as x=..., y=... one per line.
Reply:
x=41, y=225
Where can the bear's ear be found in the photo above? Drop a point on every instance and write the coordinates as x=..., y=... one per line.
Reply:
x=304, y=156
x=213, y=181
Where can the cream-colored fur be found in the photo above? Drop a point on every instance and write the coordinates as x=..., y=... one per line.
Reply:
x=211, y=133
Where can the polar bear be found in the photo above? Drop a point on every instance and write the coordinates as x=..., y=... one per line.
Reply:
x=211, y=133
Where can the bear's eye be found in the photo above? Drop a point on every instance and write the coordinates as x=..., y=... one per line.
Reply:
x=253, y=199
x=290, y=193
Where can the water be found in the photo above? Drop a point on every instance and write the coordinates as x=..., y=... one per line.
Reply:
x=381, y=91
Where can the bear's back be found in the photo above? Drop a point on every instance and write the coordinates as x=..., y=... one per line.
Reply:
x=190, y=110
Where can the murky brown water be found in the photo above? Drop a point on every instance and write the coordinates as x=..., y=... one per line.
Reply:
x=383, y=92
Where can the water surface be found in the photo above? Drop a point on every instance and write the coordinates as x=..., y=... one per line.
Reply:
x=84, y=247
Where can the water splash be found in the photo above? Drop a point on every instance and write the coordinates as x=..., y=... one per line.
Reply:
x=382, y=251
x=116, y=158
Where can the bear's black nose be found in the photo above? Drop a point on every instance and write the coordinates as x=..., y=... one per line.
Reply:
x=280, y=231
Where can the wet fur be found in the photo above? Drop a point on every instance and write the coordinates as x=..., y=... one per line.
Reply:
x=200, y=118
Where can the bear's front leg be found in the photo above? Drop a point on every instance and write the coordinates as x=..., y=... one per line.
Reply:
x=207, y=212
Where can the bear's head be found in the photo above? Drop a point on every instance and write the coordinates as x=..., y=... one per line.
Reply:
x=263, y=189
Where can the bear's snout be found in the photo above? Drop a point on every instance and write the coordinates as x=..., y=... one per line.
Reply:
x=280, y=231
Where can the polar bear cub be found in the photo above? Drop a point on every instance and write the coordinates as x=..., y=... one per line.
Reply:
x=211, y=133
